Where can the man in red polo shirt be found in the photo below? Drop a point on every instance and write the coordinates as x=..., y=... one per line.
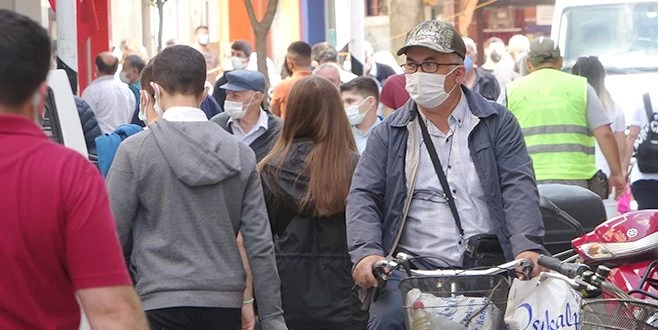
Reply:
x=57, y=235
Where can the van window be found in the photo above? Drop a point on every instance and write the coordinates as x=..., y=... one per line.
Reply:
x=623, y=36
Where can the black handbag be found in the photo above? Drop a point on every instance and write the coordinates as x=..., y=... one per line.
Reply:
x=481, y=250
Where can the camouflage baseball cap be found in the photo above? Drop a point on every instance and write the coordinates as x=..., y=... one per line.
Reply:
x=436, y=35
x=543, y=50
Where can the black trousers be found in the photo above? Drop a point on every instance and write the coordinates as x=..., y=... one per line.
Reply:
x=195, y=318
x=645, y=193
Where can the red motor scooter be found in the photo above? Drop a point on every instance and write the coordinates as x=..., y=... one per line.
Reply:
x=628, y=246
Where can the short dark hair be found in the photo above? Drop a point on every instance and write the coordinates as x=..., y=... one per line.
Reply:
x=180, y=69
x=364, y=86
x=324, y=52
x=300, y=53
x=105, y=68
x=242, y=45
x=200, y=27
x=136, y=61
x=25, y=55
x=146, y=78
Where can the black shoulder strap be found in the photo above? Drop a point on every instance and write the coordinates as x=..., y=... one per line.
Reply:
x=647, y=107
x=442, y=177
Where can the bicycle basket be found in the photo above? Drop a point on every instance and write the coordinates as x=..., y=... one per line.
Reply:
x=619, y=314
x=455, y=302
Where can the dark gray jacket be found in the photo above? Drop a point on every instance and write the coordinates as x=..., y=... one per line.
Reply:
x=180, y=192
x=384, y=175
x=486, y=85
x=263, y=144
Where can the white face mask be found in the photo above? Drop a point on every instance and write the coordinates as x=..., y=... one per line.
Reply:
x=142, y=111
x=124, y=77
x=354, y=114
x=235, y=110
x=36, y=101
x=237, y=63
x=156, y=102
x=204, y=39
x=428, y=89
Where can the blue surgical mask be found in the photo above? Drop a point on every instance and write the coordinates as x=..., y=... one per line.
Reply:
x=468, y=63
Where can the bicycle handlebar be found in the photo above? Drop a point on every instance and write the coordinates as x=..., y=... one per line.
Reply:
x=382, y=268
x=570, y=270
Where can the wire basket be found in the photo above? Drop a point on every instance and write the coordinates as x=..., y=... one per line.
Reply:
x=455, y=302
x=618, y=314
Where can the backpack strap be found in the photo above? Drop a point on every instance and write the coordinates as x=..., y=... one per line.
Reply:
x=647, y=106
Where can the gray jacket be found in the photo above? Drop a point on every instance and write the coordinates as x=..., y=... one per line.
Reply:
x=180, y=192
x=388, y=168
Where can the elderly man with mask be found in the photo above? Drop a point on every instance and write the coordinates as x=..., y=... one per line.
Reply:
x=243, y=115
x=396, y=202
x=478, y=80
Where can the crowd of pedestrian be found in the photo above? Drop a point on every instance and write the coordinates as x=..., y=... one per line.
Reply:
x=234, y=212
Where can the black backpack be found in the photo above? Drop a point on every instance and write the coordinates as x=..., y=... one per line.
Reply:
x=646, y=145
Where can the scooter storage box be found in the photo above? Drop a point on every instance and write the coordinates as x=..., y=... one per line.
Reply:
x=583, y=205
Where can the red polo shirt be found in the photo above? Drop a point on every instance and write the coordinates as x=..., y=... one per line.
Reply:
x=394, y=94
x=57, y=233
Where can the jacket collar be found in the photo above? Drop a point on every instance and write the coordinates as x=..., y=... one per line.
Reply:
x=478, y=105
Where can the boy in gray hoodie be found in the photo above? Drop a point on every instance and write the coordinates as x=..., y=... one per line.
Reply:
x=181, y=191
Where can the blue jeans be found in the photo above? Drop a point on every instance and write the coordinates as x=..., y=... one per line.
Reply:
x=386, y=313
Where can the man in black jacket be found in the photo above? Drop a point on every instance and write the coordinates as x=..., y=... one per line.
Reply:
x=243, y=116
x=478, y=80
x=90, y=127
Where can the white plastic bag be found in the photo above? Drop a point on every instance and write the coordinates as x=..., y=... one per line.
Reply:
x=451, y=313
x=542, y=303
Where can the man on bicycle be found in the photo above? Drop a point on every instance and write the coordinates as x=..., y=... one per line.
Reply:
x=397, y=203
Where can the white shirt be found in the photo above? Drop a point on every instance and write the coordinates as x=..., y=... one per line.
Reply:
x=640, y=119
x=275, y=76
x=345, y=76
x=430, y=229
x=184, y=114
x=361, y=138
x=112, y=102
x=616, y=115
x=248, y=137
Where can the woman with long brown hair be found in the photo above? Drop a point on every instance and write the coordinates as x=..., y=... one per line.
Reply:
x=306, y=178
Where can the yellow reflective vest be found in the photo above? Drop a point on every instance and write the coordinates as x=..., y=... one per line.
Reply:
x=551, y=107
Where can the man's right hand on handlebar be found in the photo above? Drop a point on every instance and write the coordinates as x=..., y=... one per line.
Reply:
x=363, y=274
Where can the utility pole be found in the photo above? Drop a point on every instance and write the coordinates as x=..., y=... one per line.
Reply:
x=147, y=34
x=67, y=40
x=356, y=49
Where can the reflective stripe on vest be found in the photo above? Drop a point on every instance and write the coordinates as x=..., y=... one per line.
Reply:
x=551, y=107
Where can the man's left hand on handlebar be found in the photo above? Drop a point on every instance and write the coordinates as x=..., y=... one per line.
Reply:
x=536, y=268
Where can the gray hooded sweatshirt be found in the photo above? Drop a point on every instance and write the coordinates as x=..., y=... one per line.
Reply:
x=180, y=192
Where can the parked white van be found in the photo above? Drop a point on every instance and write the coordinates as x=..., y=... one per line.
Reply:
x=624, y=36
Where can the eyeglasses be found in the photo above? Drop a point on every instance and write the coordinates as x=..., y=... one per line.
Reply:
x=429, y=67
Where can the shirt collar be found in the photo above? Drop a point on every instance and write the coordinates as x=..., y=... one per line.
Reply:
x=459, y=113
x=263, y=120
x=184, y=114
x=103, y=78
x=367, y=132
x=373, y=69
x=301, y=74
x=16, y=124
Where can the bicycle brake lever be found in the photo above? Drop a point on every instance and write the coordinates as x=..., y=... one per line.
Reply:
x=526, y=268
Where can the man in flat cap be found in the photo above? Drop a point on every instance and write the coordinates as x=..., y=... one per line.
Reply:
x=243, y=115
x=561, y=116
x=181, y=192
x=397, y=203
